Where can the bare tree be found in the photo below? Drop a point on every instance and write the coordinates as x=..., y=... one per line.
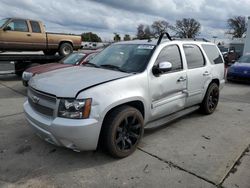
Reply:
x=160, y=26
x=187, y=28
x=143, y=32
x=237, y=26
x=140, y=31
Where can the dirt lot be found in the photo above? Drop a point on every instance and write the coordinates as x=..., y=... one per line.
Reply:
x=195, y=151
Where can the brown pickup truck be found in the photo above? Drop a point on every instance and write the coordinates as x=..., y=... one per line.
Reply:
x=29, y=35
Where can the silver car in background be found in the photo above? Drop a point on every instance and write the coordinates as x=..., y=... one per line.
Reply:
x=126, y=87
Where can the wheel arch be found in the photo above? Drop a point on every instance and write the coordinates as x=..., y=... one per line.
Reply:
x=138, y=104
x=65, y=41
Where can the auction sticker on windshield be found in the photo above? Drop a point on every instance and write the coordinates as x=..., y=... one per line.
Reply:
x=149, y=47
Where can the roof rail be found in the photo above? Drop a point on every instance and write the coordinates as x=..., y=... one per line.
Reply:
x=194, y=39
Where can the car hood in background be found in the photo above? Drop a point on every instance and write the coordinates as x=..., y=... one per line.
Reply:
x=240, y=66
x=46, y=67
x=69, y=81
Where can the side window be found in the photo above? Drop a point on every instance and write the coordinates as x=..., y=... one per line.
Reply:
x=172, y=55
x=194, y=56
x=18, y=25
x=212, y=53
x=35, y=27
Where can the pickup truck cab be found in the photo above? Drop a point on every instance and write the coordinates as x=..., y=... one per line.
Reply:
x=127, y=87
x=18, y=34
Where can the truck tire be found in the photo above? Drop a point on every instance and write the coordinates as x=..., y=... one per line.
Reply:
x=65, y=49
x=211, y=99
x=123, y=130
x=49, y=52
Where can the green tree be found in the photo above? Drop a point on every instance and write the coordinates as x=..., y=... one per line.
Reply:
x=187, y=28
x=90, y=37
x=126, y=37
x=117, y=37
x=237, y=26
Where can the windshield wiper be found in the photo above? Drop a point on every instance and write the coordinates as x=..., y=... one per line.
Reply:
x=113, y=67
x=91, y=64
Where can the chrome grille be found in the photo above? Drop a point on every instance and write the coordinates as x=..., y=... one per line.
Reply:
x=41, y=102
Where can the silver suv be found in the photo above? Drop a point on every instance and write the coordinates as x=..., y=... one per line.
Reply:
x=128, y=86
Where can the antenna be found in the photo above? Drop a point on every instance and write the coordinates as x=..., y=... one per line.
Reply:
x=161, y=36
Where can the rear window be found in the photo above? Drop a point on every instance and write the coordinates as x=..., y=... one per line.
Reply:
x=194, y=56
x=212, y=53
x=35, y=27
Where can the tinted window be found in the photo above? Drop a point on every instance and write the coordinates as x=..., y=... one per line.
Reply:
x=194, y=56
x=212, y=54
x=172, y=55
x=18, y=25
x=35, y=27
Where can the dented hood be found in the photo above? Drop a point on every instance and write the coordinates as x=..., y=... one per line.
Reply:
x=68, y=82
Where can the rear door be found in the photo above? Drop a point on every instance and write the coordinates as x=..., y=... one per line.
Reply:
x=168, y=89
x=37, y=36
x=198, y=73
x=17, y=37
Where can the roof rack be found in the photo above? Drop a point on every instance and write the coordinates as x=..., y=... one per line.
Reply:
x=162, y=35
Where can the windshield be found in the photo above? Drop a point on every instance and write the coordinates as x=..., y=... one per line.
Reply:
x=124, y=57
x=2, y=22
x=244, y=59
x=73, y=59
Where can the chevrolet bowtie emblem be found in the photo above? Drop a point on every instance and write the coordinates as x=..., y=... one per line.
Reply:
x=35, y=99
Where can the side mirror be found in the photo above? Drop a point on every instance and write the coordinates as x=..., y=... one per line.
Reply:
x=7, y=28
x=162, y=68
x=165, y=66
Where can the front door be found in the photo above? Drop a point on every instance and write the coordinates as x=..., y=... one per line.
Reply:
x=168, y=89
x=17, y=35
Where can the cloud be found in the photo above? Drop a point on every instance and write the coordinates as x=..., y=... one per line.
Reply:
x=108, y=16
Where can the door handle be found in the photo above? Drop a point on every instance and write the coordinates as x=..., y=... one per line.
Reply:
x=206, y=73
x=29, y=35
x=181, y=79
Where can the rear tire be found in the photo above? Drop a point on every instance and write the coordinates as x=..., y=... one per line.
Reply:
x=211, y=99
x=122, y=131
x=65, y=49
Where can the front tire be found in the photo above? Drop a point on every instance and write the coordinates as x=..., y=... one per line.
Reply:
x=211, y=99
x=123, y=130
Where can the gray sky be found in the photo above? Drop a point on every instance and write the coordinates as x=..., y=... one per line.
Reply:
x=105, y=17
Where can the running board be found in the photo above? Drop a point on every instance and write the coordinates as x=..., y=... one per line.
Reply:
x=171, y=117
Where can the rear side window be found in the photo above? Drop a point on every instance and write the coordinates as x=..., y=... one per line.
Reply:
x=35, y=27
x=194, y=56
x=212, y=53
x=172, y=55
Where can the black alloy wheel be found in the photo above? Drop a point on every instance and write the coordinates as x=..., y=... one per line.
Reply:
x=211, y=99
x=123, y=130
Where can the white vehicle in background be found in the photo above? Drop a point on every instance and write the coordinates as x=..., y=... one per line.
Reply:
x=126, y=87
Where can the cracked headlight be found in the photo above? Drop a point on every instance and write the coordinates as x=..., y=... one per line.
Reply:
x=74, y=108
